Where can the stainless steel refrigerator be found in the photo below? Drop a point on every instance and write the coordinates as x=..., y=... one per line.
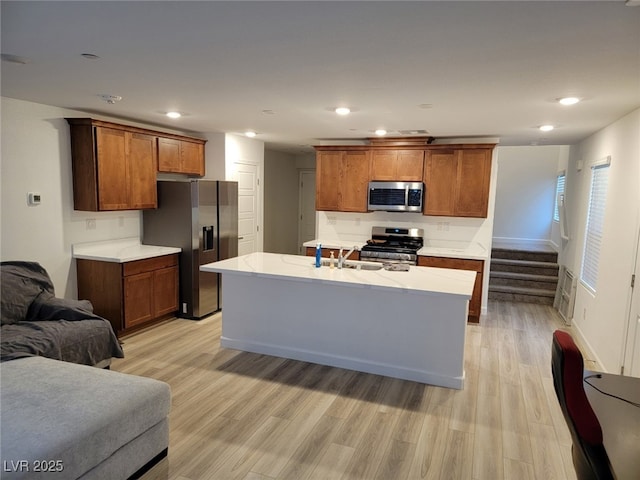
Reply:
x=201, y=218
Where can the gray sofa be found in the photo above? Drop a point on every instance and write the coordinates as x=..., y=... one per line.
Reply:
x=60, y=417
x=66, y=421
x=36, y=322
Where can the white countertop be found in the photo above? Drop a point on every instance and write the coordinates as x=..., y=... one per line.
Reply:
x=454, y=249
x=432, y=248
x=420, y=280
x=119, y=251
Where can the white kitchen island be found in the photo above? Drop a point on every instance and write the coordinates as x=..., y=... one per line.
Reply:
x=408, y=325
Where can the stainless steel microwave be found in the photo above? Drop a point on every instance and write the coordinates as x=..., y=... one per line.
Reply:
x=396, y=196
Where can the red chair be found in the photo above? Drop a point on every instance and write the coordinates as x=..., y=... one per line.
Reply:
x=590, y=458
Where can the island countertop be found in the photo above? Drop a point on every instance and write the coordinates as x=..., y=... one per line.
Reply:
x=418, y=280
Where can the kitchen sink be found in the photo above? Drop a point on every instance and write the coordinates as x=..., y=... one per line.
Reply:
x=355, y=265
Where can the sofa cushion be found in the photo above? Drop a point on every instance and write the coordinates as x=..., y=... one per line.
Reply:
x=72, y=413
x=20, y=284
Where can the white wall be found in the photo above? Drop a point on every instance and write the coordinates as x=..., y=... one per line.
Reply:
x=281, y=201
x=36, y=156
x=525, y=193
x=601, y=319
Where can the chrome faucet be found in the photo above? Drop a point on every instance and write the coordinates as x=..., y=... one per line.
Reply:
x=342, y=258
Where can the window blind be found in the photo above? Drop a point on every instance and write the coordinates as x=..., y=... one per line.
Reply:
x=559, y=192
x=595, y=225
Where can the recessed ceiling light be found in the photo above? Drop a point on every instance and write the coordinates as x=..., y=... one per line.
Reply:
x=568, y=100
x=174, y=114
x=343, y=110
x=546, y=128
x=381, y=132
x=250, y=133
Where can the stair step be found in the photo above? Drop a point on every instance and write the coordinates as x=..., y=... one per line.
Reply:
x=524, y=266
x=528, y=263
x=520, y=254
x=524, y=276
x=537, y=292
x=518, y=297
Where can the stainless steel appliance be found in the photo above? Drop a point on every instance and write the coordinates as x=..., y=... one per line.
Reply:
x=201, y=218
x=396, y=196
x=393, y=245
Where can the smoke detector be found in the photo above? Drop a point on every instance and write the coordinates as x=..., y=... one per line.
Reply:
x=110, y=99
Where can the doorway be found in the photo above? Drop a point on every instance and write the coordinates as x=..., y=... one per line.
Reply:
x=307, y=208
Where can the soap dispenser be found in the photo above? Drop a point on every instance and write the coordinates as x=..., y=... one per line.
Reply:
x=332, y=260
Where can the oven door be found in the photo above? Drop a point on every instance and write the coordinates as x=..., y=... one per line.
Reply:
x=377, y=256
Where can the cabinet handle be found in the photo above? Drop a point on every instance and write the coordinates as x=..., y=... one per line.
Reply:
x=240, y=238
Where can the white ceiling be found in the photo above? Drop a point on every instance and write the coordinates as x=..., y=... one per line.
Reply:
x=482, y=68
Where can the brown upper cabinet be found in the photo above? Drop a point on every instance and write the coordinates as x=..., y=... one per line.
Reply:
x=342, y=179
x=457, y=181
x=397, y=165
x=180, y=156
x=115, y=166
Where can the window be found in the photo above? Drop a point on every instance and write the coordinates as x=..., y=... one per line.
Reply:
x=559, y=194
x=595, y=224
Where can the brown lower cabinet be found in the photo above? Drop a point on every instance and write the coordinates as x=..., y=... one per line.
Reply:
x=132, y=294
x=475, y=304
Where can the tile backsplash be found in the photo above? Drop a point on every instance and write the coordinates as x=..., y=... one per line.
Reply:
x=356, y=227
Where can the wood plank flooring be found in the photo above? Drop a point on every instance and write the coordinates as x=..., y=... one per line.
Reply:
x=238, y=415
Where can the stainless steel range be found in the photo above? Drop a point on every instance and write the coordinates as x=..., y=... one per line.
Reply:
x=393, y=245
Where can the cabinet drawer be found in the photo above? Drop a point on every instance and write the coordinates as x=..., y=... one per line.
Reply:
x=149, y=264
x=454, y=263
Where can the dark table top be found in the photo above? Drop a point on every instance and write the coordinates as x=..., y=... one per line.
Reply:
x=620, y=421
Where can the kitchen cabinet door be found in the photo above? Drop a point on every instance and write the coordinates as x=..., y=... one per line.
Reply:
x=328, y=171
x=168, y=155
x=138, y=299
x=440, y=178
x=192, y=158
x=354, y=183
x=165, y=291
x=397, y=165
x=113, y=174
x=342, y=180
x=180, y=156
x=142, y=171
x=472, y=183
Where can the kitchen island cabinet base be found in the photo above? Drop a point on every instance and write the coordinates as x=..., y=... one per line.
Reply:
x=393, y=332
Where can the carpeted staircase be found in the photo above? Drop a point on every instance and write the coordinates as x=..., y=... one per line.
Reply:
x=523, y=275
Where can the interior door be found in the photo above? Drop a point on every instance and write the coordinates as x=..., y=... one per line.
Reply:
x=247, y=178
x=632, y=348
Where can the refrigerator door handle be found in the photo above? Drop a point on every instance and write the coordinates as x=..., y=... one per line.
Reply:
x=207, y=238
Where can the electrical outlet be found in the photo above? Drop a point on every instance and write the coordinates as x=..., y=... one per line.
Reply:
x=91, y=223
x=445, y=226
x=331, y=220
x=121, y=221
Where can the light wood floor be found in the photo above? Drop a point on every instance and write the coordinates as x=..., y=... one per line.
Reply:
x=249, y=416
